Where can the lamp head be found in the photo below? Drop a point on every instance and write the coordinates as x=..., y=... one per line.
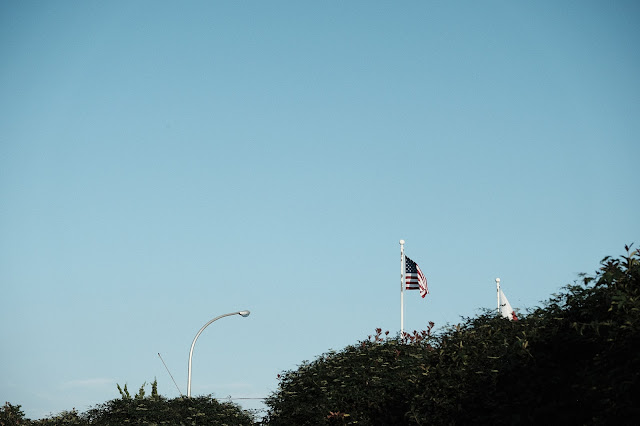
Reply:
x=244, y=313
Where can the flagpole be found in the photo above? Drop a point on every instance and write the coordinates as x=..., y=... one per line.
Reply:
x=498, y=293
x=402, y=279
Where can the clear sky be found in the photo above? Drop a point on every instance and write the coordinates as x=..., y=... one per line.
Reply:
x=163, y=163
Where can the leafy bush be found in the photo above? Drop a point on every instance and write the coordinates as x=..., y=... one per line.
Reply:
x=368, y=383
x=142, y=410
x=11, y=415
x=584, y=366
x=70, y=418
x=203, y=410
x=574, y=360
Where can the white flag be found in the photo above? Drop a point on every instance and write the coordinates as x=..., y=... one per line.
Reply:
x=505, y=307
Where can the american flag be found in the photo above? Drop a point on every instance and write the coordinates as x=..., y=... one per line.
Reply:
x=414, y=278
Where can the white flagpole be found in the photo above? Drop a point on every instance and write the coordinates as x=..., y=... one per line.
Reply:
x=402, y=280
x=498, y=293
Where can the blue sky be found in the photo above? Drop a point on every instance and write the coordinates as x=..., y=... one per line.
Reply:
x=162, y=163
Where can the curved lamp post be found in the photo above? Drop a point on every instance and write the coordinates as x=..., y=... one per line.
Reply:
x=241, y=313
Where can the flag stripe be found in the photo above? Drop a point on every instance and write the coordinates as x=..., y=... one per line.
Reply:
x=414, y=278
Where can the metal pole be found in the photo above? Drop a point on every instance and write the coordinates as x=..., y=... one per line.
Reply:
x=402, y=284
x=242, y=313
x=498, y=293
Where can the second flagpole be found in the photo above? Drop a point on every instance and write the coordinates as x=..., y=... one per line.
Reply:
x=402, y=272
x=498, y=293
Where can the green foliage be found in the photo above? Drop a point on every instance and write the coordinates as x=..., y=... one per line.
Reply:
x=124, y=393
x=11, y=415
x=367, y=383
x=141, y=410
x=585, y=367
x=573, y=360
x=141, y=392
x=157, y=410
x=154, y=389
x=203, y=410
x=71, y=418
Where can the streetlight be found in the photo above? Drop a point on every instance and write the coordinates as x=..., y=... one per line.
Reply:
x=241, y=313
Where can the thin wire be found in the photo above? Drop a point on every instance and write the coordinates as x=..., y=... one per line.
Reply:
x=174, y=380
x=241, y=398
